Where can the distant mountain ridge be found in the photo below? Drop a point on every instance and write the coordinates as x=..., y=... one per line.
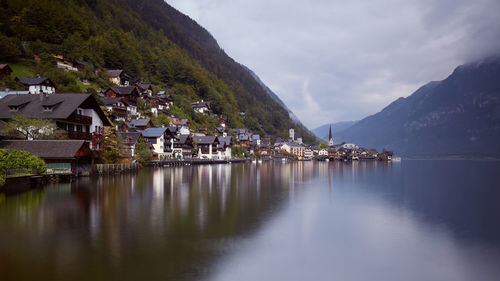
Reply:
x=275, y=97
x=322, y=131
x=456, y=117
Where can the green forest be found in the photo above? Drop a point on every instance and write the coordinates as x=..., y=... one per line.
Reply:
x=148, y=39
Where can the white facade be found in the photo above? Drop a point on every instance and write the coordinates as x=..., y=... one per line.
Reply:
x=323, y=152
x=97, y=123
x=41, y=89
x=291, y=132
x=208, y=155
x=308, y=153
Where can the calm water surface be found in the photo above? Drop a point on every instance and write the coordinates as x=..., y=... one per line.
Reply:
x=414, y=220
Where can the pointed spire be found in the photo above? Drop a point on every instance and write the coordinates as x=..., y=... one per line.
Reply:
x=330, y=138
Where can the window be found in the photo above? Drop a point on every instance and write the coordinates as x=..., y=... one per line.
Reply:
x=78, y=128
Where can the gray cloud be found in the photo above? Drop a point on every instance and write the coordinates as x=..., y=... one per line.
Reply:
x=343, y=60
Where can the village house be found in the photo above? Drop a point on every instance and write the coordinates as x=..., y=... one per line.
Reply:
x=181, y=124
x=183, y=147
x=201, y=107
x=119, y=77
x=128, y=94
x=130, y=139
x=77, y=114
x=144, y=89
x=207, y=146
x=155, y=137
x=140, y=124
x=116, y=108
x=82, y=65
x=297, y=149
x=308, y=153
x=37, y=85
x=224, y=148
x=61, y=156
x=5, y=71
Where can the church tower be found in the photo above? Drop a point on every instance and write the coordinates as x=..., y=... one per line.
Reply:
x=330, y=138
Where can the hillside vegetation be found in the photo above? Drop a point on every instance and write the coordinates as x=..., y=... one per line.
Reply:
x=148, y=39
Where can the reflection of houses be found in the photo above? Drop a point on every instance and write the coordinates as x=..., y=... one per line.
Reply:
x=78, y=114
x=37, y=85
x=207, y=146
x=119, y=77
x=60, y=155
x=201, y=107
x=5, y=71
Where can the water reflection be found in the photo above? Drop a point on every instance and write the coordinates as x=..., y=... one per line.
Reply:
x=213, y=221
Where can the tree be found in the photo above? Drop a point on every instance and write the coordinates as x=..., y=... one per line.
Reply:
x=144, y=153
x=29, y=128
x=111, y=147
x=322, y=145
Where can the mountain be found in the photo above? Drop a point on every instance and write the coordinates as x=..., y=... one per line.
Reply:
x=323, y=131
x=456, y=117
x=275, y=97
x=148, y=39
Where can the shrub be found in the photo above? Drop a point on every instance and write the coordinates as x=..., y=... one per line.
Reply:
x=15, y=159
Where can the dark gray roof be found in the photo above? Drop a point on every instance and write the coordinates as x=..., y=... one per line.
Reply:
x=114, y=72
x=201, y=104
x=112, y=101
x=33, y=81
x=133, y=136
x=140, y=122
x=205, y=139
x=127, y=90
x=47, y=149
x=153, y=132
x=144, y=87
x=225, y=140
x=182, y=139
x=32, y=105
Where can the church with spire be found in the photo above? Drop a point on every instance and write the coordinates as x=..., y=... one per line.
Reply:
x=330, y=137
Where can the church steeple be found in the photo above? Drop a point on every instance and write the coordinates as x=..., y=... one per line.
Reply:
x=330, y=138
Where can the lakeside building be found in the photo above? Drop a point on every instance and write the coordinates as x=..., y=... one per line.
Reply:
x=70, y=156
x=79, y=115
x=207, y=146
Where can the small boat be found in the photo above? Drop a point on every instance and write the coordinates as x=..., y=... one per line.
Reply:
x=259, y=161
x=254, y=161
x=396, y=159
x=327, y=160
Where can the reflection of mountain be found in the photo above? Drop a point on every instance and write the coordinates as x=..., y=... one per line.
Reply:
x=164, y=223
x=451, y=194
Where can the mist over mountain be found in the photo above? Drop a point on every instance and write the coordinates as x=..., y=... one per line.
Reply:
x=459, y=116
x=323, y=131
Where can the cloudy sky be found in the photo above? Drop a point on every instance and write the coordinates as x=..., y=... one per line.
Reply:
x=335, y=60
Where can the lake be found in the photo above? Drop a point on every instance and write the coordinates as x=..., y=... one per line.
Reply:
x=412, y=220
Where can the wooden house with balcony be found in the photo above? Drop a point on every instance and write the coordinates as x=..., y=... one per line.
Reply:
x=207, y=146
x=78, y=114
x=128, y=94
x=119, y=77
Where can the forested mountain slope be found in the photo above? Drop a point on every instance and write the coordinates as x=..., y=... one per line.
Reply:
x=148, y=39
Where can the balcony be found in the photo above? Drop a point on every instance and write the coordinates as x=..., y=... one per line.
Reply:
x=80, y=119
x=80, y=135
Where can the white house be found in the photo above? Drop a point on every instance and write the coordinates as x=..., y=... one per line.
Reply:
x=201, y=107
x=156, y=138
x=224, y=148
x=323, y=152
x=207, y=146
x=38, y=85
